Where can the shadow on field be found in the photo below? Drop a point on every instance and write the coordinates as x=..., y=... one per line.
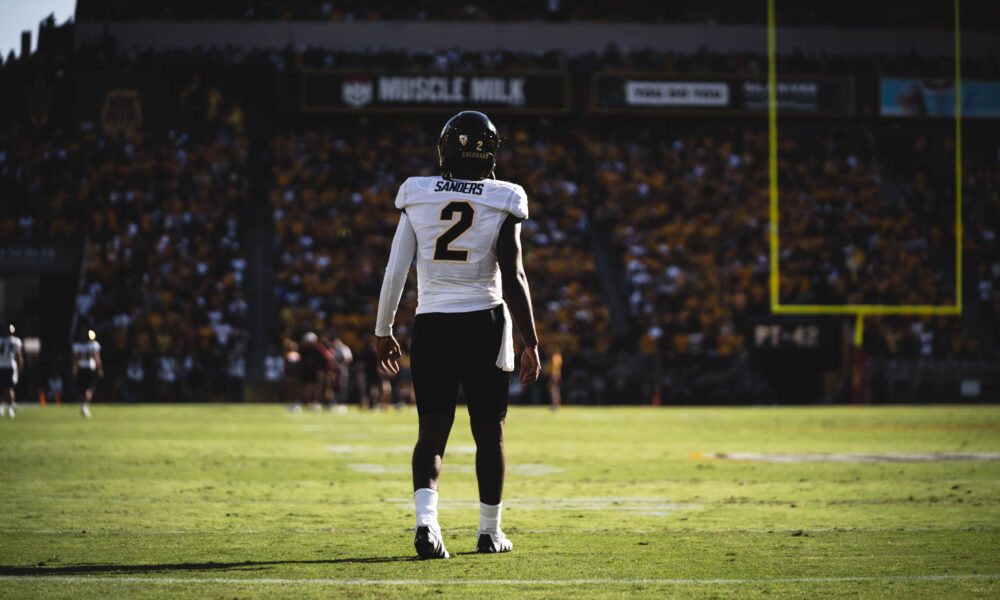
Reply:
x=247, y=565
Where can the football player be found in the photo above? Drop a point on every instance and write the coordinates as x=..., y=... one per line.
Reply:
x=11, y=363
x=317, y=360
x=87, y=368
x=463, y=227
x=555, y=377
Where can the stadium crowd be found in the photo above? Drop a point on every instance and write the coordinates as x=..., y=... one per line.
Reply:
x=333, y=195
x=685, y=206
x=163, y=282
x=855, y=228
x=164, y=267
x=689, y=214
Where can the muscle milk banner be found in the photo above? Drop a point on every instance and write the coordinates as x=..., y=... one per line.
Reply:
x=332, y=91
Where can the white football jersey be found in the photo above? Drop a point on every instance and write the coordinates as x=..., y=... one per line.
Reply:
x=85, y=354
x=9, y=347
x=457, y=223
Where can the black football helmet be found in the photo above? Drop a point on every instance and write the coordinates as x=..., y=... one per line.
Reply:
x=468, y=146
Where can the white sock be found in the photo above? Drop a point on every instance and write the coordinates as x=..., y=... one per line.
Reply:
x=489, y=516
x=426, y=502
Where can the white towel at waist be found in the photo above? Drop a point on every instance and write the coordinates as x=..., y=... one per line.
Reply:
x=505, y=359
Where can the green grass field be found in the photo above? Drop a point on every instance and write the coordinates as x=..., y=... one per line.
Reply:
x=255, y=502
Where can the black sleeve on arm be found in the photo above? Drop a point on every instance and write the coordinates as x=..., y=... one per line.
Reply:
x=515, y=282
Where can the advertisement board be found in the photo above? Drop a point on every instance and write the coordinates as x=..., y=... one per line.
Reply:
x=628, y=92
x=936, y=98
x=337, y=91
x=39, y=257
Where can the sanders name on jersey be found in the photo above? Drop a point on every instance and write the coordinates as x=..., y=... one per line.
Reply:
x=461, y=187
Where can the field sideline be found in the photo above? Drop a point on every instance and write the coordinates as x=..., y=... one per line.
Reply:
x=222, y=501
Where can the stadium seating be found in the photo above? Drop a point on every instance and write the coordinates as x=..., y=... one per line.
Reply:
x=332, y=199
x=683, y=207
x=164, y=266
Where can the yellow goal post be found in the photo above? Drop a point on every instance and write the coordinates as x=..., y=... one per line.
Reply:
x=860, y=311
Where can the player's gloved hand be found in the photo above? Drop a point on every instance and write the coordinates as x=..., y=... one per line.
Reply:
x=388, y=354
x=531, y=366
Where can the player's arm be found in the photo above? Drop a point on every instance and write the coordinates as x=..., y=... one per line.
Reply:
x=329, y=360
x=100, y=363
x=404, y=248
x=20, y=360
x=518, y=296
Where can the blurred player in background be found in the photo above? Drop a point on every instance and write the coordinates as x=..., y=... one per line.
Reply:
x=377, y=382
x=87, y=368
x=315, y=363
x=11, y=364
x=330, y=382
x=464, y=229
x=344, y=358
x=293, y=380
x=555, y=377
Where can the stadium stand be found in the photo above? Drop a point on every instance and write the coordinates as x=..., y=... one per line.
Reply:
x=681, y=209
x=164, y=267
x=334, y=217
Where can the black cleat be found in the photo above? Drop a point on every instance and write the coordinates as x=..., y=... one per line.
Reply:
x=429, y=544
x=493, y=542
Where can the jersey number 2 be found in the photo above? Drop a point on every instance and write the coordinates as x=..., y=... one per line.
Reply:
x=466, y=217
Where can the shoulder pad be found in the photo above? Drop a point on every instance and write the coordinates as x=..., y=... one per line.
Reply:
x=517, y=202
x=401, y=195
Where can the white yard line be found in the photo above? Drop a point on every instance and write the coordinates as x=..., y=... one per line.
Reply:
x=398, y=449
x=857, y=458
x=228, y=501
x=526, y=470
x=510, y=582
x=657, y=507
x=513, y=531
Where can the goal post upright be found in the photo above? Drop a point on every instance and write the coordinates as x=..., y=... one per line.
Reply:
x=772, y=135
